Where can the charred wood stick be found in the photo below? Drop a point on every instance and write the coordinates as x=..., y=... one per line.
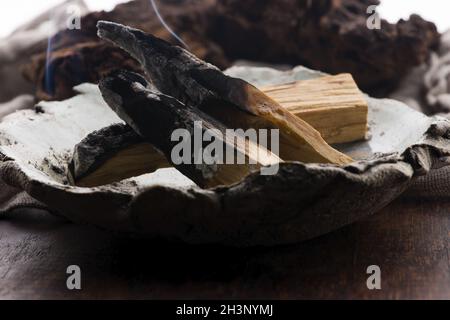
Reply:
x=155, y=117
x=234, y=102
x=112, y=154
x=332, y=104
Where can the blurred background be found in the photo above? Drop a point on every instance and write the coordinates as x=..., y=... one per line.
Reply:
x=43, y=58
x=408, y=61
x=21, y=11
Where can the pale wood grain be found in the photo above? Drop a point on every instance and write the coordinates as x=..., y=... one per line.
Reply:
x=333, y=105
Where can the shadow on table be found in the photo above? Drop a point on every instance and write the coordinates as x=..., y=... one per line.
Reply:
x=331, y=266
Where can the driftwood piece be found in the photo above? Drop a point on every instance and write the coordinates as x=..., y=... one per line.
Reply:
x=235, y=102
x=300, y=202
x=328, y=35
x=156, y=116
x=332, y=104
x=27, y=40
x=79, y=56
x=63, y=69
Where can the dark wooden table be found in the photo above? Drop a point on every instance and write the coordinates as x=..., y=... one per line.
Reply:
x=409, y=240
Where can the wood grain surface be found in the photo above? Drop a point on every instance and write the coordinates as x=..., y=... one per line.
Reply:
x=333, y=105
x=409, y=240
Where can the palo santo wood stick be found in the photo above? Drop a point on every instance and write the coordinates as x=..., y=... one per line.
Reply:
x=333, y=105
x=117, y=152
x=112, y=154
x=234, y=102
x=155, y=117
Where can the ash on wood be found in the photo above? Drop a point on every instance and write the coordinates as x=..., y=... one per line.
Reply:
x=332, y=104
x=156, y=116
x=115, y=149
x=236, y=103
x=300, y=202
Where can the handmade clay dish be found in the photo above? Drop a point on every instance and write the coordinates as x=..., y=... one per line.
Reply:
x=302, y=201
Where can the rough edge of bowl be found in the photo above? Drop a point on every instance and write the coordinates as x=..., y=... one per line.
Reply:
x=300, y=202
